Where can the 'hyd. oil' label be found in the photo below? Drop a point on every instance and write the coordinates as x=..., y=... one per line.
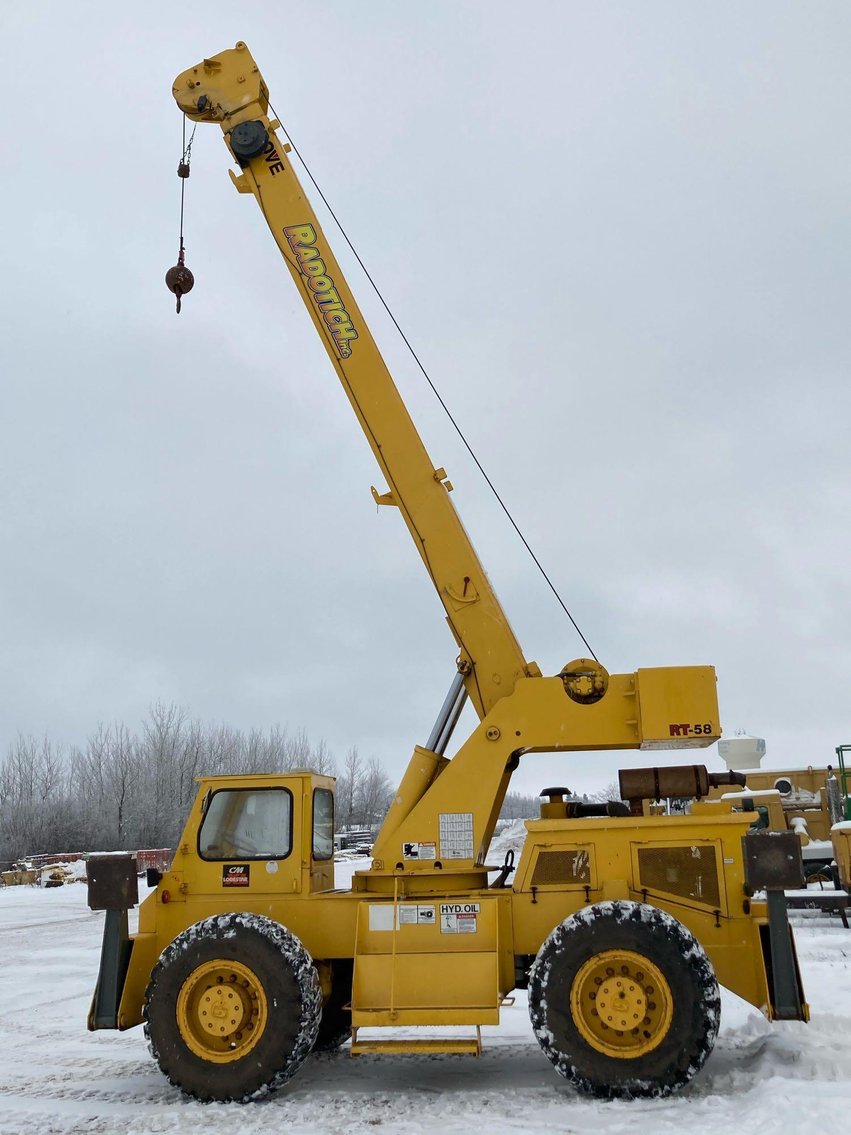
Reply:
x=459, y=917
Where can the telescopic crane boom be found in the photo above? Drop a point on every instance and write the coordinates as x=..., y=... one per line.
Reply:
x=228, y=89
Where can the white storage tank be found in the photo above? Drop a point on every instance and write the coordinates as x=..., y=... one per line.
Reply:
x=742, y=751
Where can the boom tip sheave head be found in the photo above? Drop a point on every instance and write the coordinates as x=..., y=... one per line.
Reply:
x=220, y=86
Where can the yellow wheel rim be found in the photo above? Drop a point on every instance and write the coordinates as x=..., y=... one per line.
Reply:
x=621, y=1004
x=221, y=1011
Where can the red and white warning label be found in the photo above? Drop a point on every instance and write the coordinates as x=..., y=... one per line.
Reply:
x=459, y=917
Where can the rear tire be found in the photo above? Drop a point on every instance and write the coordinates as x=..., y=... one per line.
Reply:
x=624, y=1001
x=335, y=1028
x=232, y=1009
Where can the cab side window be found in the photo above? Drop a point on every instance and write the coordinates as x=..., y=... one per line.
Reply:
x=323, y=823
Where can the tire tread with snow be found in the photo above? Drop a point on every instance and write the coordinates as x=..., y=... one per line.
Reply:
x=638, y=928
x=290, y=983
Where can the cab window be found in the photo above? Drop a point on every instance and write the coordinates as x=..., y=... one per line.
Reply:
x=323, y=823
x=242, y=823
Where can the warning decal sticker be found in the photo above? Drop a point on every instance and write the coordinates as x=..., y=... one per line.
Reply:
x=459, y=917
x=419, y=915
x=407, y=914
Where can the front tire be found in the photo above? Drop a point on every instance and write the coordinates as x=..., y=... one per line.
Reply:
x=233, y=1007
x=624, y=1001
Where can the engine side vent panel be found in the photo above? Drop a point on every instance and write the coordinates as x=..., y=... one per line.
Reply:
x=684, y=872
x=562, y=868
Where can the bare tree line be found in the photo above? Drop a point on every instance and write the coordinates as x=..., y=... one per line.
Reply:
x=522, y=807
x=126, y=790
x=519, y=806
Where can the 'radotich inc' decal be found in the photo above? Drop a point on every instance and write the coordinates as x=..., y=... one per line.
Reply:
x=302, y=239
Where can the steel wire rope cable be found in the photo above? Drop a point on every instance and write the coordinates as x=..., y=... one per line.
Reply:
x=185, y=162
x=434, y=389
x=179, y=279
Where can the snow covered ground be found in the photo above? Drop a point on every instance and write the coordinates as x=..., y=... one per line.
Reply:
x=57, y=1078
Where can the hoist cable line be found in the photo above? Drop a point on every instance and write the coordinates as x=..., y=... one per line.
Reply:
x=178, y=279
x=434, y=389
x=185, y=161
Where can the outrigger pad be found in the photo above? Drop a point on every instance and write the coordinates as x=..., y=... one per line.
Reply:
x=772, y=861
x=113, y=883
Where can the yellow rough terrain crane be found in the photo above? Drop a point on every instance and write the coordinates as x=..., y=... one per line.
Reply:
x=621, y=926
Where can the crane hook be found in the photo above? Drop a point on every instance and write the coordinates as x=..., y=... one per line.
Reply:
x=179, y=279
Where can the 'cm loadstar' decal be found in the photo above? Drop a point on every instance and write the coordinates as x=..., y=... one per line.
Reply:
x=302, y=240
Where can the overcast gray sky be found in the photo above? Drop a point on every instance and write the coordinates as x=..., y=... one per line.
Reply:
x=618, y=235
